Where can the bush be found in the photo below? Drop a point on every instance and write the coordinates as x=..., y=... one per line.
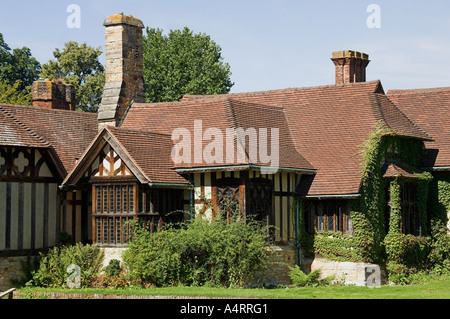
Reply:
x=301, y=279
x=199, y=252
x=440, y=246
x=113, y=268
x=53, y=265
x=407, y=250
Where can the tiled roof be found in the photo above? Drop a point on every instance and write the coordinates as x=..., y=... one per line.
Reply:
x=328, y=124
x=15, y=133
x=429, y=109
x=67, y=132
x=392, y=169
x=224, y=114
x=151, y=152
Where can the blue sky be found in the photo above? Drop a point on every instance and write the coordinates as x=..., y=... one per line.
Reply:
x=270, y=44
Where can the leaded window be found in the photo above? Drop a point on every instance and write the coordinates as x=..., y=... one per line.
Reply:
x=260, y=199
x=328, y=216
x=228, y=198
x=113, y=207
x=410, y=209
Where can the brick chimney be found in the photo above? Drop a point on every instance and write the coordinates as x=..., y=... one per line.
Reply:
x=350, y=66
x=53, y=95
x=124, y=68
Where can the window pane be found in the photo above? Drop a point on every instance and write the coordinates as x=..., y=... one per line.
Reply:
x=118, y=230
x=105, y=199
x=125, y=199
x=131, y=198
x=99, y=199
x=105, y=230
x=320, y=221
x=330, y=222
x=118, y=199
x=98, y=230
x=111, y=199
x=111, y=230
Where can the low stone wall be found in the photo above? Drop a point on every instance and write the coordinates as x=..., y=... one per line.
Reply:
x=112, y=253
x=350, y=273
x=10, y=270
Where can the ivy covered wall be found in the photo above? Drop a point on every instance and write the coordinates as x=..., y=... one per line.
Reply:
x=377, y=236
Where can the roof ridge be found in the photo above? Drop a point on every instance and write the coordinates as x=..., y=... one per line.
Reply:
x=23, y=126
x=136, y=131
x=49, y=109
x=275, y=107
x=292, y=89
x=418, y=91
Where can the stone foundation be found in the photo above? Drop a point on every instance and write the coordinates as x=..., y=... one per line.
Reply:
x=350, y=273
x=112, y=253
x=10, y=270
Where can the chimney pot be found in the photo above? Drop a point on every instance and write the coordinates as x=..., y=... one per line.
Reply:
x=350, y=66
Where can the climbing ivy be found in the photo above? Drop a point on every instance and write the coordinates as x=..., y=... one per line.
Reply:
x=373, y=239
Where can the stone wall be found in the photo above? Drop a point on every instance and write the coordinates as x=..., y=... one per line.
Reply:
x=350, y=273
x=10, y=270
x=112, y=253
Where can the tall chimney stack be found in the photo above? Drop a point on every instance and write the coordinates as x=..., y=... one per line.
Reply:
x=350, y=66
x=124, y=68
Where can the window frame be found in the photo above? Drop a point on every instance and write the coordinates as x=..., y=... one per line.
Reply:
x=335, y=217
x=108, y=220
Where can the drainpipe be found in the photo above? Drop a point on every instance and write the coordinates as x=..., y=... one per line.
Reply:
x=192, y=203
x=297, y=225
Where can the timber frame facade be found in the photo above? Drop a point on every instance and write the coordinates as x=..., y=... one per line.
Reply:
x=87, y=175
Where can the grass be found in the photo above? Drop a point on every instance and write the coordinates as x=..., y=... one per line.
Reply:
x=432, y=289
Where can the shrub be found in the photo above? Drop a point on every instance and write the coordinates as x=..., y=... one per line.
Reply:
x=53, y=265
x=440, y=246
x=301, y=279
x=408, y=250
x=199, y=252
x=113, y=268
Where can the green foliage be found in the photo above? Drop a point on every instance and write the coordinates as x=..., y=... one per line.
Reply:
x=369, y=222
x=18, y=66
x=113, y=268
x=182, y=62
x=79, y=65
x=408, y=250
x=53, y=265
x=12, y=94
x=198, y=252
x=440, y=246
x=301, y=279
x=336, y=246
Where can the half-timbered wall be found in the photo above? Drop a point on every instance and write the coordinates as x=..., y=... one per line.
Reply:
x=29, y=201
x=283, y=184
x=75, y=218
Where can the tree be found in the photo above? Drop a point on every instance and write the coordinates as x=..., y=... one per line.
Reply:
x=11, y=94
x=183, y=63
x=18, y=65
x=79, y=65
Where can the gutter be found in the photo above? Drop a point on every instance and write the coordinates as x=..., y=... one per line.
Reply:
x=436, y=168
x=244, y=167
x=172, y=185
x=319, y=197
x=297, y=239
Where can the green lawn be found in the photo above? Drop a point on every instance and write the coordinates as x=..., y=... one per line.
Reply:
x=436, y=289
